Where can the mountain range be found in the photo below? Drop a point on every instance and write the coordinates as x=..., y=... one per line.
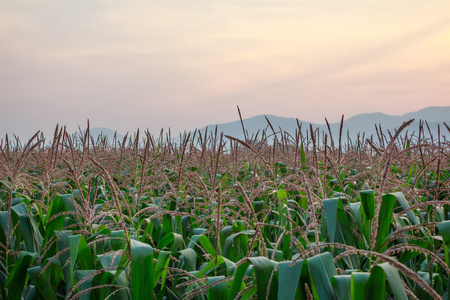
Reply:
x=96, y=132
x=360, y=123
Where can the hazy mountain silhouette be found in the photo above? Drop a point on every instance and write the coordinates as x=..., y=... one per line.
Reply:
x=97, y=132
x=358, y=124
x=361, y=123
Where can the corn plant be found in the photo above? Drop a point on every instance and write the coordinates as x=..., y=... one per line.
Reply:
x=273, y=216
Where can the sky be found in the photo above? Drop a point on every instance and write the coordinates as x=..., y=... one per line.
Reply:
x=186, y=64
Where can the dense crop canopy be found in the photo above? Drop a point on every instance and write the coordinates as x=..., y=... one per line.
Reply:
x=213, y=217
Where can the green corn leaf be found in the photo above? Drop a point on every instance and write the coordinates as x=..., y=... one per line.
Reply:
x=263, y=269
x=206, y=244
x=278, y=254
x=18, y=277
x=357, y=284
x=341, y=286
x=217, y=291
x=287, y=249
x=101, y=280
x=167, y=224
x=421, y=293
x=57, y=205
x=42, y=282
x=394, y=280
x=249, y=293
x=225, y=232
x=444, y=231
x=63, y=243
x=385, y=221
x=288, y=280
x=141, y=270
x=73, y=250
x=117, y=239
x=368, y=203
x=405, y=205
x=355, y=210
x=179, y=225
x=339, y=227
x=282, y=196
x=110, y=260
x=213, y=263
x=189, y=259
x=230, y=266
x=119, y=277
x=337, y=221
x=330, y=207
x=322, y=269
x=237, y=283
x=229, y=241
x=3, y=234
x=68, y=200
x=161, y=268
x=28, y=227
x=87, y=284
x=375, y=287
x=174, y=238
x=80, y=253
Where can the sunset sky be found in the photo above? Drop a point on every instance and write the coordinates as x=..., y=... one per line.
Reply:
x=186, y=64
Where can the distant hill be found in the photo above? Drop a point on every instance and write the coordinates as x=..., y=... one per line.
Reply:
x=105, y=132
x=357, y=124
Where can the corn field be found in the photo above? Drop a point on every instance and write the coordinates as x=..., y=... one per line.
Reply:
x=273, y=216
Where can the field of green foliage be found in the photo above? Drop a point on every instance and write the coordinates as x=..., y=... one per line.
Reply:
x=274, y=216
